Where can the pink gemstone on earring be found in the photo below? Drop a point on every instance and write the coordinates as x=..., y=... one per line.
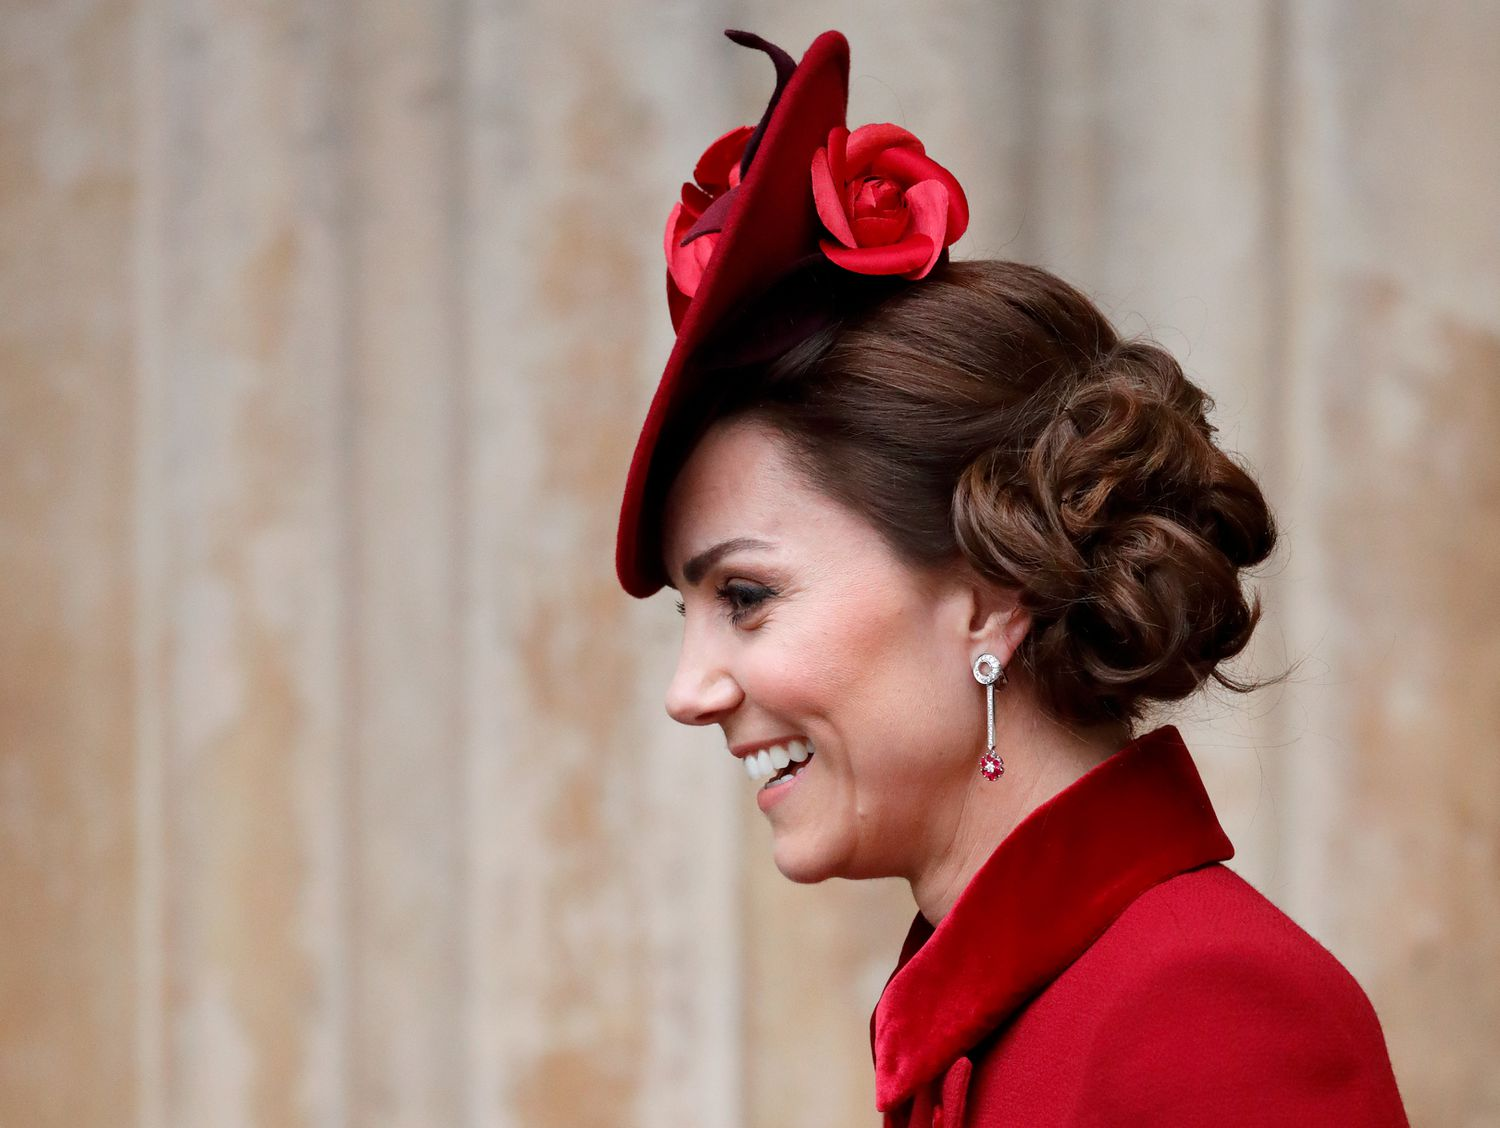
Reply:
x=992, y=766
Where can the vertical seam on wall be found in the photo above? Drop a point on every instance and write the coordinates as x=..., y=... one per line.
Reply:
x=344, y=224
x=460, y=572
x=743, y=1112
x=1276, y=357
x=1023, y=57
x=146, y=562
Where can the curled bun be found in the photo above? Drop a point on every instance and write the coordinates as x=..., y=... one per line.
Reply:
x=992, y=415
x=1126, y=528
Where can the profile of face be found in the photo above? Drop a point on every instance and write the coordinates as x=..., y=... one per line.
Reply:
x=810, y=626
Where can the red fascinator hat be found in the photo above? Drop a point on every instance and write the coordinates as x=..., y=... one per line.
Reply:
x=784, y=228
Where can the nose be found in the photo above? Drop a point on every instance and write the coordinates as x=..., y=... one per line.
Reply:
x=702, y=690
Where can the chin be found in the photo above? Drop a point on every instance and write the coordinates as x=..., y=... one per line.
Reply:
x=803, y=866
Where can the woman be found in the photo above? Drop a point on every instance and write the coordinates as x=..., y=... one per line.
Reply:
x=941, y=537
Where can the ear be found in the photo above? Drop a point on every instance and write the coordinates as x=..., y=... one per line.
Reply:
x=997, y=620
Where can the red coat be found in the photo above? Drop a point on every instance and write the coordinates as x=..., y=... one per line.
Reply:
x=1101, y=968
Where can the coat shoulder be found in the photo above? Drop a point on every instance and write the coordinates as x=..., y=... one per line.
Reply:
x=1209, y=945
x=1211, y=918
x=1201, y=1000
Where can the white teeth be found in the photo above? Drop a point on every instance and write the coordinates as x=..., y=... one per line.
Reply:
x=791, y=775
x=762, y=765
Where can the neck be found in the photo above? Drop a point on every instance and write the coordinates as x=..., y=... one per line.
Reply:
x=1042, y=757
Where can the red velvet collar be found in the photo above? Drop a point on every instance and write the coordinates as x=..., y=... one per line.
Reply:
x=1057, y=881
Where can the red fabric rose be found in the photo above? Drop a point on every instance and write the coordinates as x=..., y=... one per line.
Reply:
x=717, y=171
x=890, y=208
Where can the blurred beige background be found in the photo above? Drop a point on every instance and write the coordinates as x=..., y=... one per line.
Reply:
x=336, y=787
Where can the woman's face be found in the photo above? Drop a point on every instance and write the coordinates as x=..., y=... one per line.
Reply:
x=817, y=630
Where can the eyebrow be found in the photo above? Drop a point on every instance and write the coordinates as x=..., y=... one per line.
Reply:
x=695, y=569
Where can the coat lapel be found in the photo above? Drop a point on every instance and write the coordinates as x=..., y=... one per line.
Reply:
x=1056, y=882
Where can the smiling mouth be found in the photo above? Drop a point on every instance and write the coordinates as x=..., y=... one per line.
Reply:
x=787, y=774
x=781, y=762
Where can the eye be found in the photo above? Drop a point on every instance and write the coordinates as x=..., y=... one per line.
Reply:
x=742, y=599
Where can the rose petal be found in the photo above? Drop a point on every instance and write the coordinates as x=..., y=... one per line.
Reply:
x=672, y=237
x=827, y=195
x=691, y=261
x=713, y=217
x=880, y=229
x=928, y=204
x=685, y=264
x=871, y=195
x=722, y=156
x=695, y=199
x=910, y=167
x=896, y=258
x=866, y=142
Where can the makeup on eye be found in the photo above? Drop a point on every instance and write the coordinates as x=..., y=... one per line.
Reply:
x=740, y=597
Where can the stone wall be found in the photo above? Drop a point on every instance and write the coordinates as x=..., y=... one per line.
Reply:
x=335, y=783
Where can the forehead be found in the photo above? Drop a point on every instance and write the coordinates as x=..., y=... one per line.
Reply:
x=738, y=481
x=737, y=470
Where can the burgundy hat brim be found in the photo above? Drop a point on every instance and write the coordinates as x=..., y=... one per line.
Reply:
x=768, y=230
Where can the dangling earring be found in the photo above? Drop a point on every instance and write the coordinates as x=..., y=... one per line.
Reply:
x=988, y=671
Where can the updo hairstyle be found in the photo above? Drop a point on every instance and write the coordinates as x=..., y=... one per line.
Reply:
x=991, y=414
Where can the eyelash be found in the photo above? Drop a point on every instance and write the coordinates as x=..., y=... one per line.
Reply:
x=753, y=597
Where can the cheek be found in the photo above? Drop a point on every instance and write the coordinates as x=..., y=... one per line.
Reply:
x=907, y=707
x=867, y=669
x=802, y=675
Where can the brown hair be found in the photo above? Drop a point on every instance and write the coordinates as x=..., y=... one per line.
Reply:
x=990, y=413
